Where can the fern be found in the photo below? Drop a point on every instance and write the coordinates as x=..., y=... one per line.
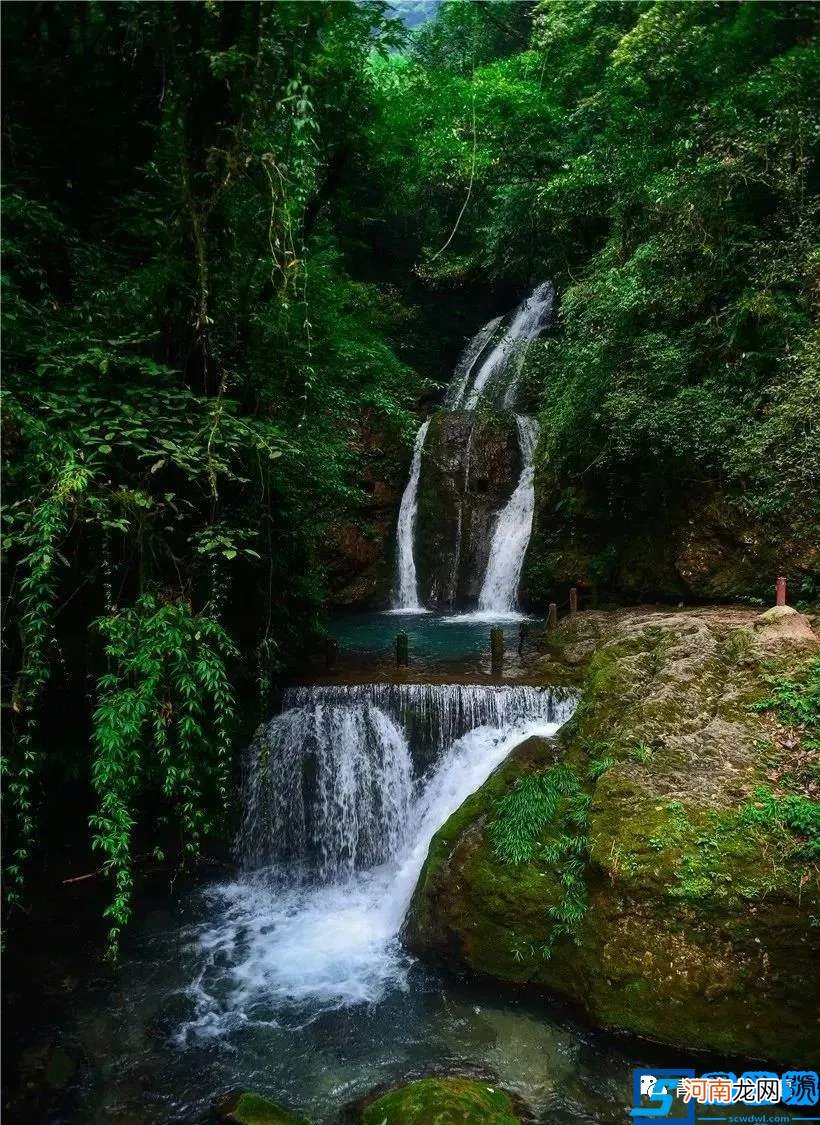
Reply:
x=796, y=700
x=38, y=591
x=162, y=721
x=555, y=801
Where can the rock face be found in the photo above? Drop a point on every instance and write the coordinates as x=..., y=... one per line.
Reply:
x=707, y=549
x=657, y=862
x=470, y=467
x=440, y=1101
x=359, y=552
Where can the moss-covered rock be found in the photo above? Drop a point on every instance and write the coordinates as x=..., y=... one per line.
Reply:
x=681, y=901
x=247, y=1108
x=441, y=1101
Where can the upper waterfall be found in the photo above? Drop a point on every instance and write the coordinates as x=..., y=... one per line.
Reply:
x=406, y=597
x=499, y=371
x=456, y=519
x=512, y=531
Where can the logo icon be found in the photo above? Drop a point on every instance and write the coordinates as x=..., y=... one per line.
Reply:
x=655, y=1094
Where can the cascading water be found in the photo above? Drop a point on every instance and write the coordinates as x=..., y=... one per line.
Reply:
x=406, y=598
x=464, y=368
x=330, y=786
x=489, y=369
x=501, y=369
x=327, y=786
x=512, y=532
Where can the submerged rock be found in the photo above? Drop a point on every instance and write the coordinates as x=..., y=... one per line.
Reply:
x=440, y=1101
x=245, y=1108
x=664, y=875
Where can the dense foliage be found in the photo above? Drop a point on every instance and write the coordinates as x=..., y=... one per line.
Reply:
x=186, y=364
x=241, y=236
x=658, y=161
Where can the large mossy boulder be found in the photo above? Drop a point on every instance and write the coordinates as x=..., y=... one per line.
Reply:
x=441, y=1101
x=246, y=1108
x=469, y=469
x=657, y=863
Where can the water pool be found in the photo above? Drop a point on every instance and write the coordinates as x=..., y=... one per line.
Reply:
x=434, y=638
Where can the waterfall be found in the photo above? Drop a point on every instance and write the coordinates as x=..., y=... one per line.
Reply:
x=432, y=716
x=331, y=784
x=512, y=531
x=502, y=367
x=464, y=368
x=327, y=787
x=407, y=598
x=490, y=367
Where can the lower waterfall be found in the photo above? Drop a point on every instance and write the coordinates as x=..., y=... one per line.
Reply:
x=340, y=810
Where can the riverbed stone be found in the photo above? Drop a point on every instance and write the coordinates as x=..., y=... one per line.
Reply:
x=441, y=1101
x=246, y=1108
x=700, y=903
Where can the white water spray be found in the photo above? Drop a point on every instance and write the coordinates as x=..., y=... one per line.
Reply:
x=464, y=368
x=406, y=598
x=502, y=367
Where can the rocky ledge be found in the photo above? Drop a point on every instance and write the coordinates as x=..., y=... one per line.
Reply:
x=657, y=862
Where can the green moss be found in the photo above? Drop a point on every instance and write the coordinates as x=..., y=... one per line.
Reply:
x=253, y=1109
x=699, y=882
x=442, y=1101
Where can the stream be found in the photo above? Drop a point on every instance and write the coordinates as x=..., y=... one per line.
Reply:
x=290, y=978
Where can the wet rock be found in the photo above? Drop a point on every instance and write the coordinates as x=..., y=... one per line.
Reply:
x=246, y=1108
x=440, y=1101
x=694, y=918
x=470, y=466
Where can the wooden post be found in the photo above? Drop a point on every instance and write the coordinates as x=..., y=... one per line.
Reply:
x=573, y=601
x=497, y=649
x=402, y=650
x=780, y=592
x=523, y=633
x=552, y=616
x=331, y=653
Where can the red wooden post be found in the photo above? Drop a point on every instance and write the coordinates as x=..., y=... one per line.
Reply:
x=780, y=597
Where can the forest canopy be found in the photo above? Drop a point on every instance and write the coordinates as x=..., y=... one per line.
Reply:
x=240, y=237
